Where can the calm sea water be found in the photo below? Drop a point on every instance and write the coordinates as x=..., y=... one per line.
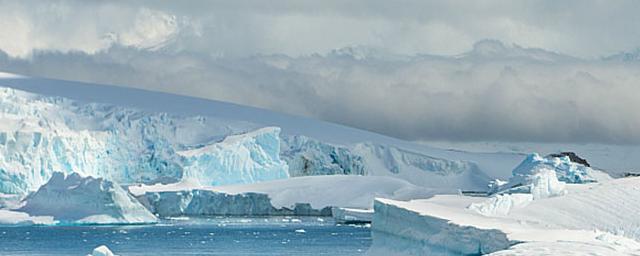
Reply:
x=218, y=236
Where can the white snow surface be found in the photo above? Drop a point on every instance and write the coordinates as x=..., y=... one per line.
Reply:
x=598, y=217
x=85, y=200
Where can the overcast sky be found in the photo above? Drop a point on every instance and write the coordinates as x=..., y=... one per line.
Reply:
x=551, y=71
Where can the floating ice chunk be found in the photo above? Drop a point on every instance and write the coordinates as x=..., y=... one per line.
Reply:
x=102, y=250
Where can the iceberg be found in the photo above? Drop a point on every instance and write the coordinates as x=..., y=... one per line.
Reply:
x=85, y=200
x=102, y=250
x=305, y=196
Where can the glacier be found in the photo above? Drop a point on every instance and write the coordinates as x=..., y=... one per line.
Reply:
x=76, y=199
x=42, y=134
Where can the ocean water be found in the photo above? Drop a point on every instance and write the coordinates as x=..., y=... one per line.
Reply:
x=217, y=236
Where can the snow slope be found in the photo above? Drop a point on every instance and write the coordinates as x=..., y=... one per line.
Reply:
x=319, y=193
x=76, y=199
x=600, y=217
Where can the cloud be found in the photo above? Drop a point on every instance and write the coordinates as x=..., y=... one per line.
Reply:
x=493, y=92
x=293, y=27
x=417, y=70
x=67, y=26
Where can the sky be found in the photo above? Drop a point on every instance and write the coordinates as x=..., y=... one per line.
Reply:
x=486, y=70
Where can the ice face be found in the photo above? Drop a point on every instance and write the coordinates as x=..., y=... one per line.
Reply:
x=307, y=156
x=76, y=199
x=238, y=159
x=41, y=135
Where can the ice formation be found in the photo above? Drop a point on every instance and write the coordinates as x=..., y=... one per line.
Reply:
x=566, y=170
x=76, y=199
x=546, y=176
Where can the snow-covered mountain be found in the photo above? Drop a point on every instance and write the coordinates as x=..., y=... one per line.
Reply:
x=133, y=136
